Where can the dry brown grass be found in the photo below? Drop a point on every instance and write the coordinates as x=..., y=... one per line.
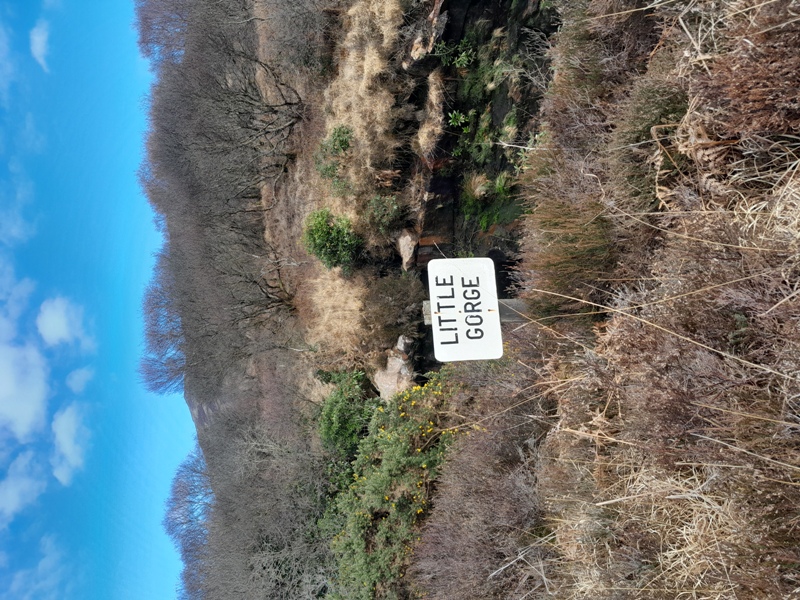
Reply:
x=754, y=80
x=351, y=321
x=673, y=469
x=335, y=325
x=361, y=97
x=483, y=537
x=363, y=94
x=432, y=125
x=393, y=307
x=568, y=243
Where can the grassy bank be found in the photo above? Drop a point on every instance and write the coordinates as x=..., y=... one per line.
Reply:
x=660, y=261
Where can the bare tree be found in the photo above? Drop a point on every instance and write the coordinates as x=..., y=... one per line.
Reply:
x=163, y=364
x=162, y=26
x=186, y=516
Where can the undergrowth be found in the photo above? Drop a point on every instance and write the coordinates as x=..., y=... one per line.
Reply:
x=660, y=262
x=331, y=239
x=644, y=443
x=374, y=518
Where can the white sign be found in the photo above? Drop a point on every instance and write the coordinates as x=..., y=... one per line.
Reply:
x=464, y=310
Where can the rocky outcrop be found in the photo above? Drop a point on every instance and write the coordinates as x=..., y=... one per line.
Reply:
x=398, y=375
x=407, y=248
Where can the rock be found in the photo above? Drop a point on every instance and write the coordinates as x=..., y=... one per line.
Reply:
x=404, y=344
x=398, y=375
x=429, y=31
x=407, y=247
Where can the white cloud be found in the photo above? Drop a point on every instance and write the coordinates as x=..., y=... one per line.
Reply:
x=23, y=389
x=24, y=371
x=79, y=379
x=48, y=580
x=71, y=438
x=61, y=322
x=13, y=300
x=40, y=40
x=13, y=226
x=23, y=484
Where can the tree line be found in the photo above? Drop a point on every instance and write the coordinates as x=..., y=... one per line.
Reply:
x=222, y=116
x=245, y=523
x=220, y=126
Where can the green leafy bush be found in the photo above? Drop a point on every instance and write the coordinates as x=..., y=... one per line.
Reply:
x=338, y=142
x=331, y=239
x=460, y=55
x=456, y=118
x=345, y=414
x=328, y=159
x=383, y=213
x=395, y=465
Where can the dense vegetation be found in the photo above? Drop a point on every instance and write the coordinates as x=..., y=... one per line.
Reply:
x=639, y=439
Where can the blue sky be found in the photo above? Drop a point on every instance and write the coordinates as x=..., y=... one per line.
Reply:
x=86, y=456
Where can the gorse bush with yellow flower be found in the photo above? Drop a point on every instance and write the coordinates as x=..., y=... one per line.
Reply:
x=374, y=518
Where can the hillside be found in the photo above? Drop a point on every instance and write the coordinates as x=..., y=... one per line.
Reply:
x=629, y=168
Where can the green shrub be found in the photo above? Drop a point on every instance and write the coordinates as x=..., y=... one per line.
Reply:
x=393, y=471
x=338, y=142
x=476, y=141
x=328, y=170
x=383, y=213
x=328, y=159
x=510, y=128
x=502, y=186
x=460, y=55
x=345, y=414
x=489, y=202
x=331, y=239
x=487, y=67
x=456, y=118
